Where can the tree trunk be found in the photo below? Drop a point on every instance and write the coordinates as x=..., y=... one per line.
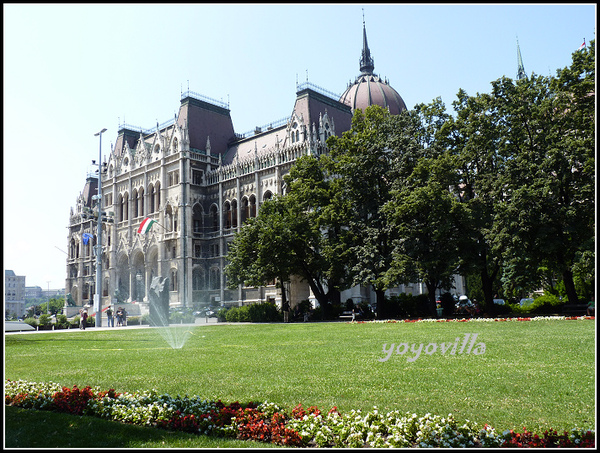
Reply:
x=487, y=283
x=381, y=303
x=318, y=292
x=284, y=302
x=570, y=287
x=431, y=287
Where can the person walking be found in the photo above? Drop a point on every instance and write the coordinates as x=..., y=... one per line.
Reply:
x=109, y=315
x=286, y=309
x=83, y=320
x=120, y=317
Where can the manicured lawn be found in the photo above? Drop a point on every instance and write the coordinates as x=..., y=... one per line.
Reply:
x=534, y=374
x=28, y=428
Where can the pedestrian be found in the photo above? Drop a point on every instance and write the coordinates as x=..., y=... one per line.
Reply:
x=124, y=320
x=109, y=315
x=591, y=308
x=83, y=320
x=286, y=309
x=120, y=316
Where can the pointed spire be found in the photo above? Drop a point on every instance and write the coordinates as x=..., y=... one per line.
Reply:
x=520, y=69
x=366, y=62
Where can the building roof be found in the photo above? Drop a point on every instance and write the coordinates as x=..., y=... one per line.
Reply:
x=204, y=121
x=311, y=105
x=90, y=189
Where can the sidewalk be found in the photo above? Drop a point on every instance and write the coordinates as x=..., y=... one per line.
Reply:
x=29, y=329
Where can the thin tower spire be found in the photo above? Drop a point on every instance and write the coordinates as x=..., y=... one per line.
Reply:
x=366, y=61
x=520, y=69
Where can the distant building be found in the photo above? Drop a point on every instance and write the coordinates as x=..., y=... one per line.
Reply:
x=33, y=292
x=200, y=181
x=14, y=293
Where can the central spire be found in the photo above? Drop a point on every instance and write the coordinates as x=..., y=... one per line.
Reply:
x=520, y=69
x=366, y=62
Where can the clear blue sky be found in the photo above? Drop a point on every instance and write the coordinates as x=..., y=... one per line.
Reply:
x=71, y=70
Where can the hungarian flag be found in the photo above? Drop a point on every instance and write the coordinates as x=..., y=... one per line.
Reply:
x=582, y=46
x=146, y=225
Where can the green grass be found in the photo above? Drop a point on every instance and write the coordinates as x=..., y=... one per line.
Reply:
x=538, y=374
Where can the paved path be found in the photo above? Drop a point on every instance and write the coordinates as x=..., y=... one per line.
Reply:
x=199, y=322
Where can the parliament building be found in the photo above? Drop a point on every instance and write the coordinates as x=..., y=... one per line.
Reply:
x=200, y=180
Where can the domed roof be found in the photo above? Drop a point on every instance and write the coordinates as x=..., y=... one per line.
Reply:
x=369, y=89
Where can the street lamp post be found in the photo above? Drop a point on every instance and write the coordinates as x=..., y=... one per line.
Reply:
x=48, y=306
x=97, y=296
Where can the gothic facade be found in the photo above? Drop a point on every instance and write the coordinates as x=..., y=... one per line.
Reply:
x=200, y=180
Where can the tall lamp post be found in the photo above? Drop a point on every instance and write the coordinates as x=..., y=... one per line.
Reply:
x=97, y=296
x=48, y=306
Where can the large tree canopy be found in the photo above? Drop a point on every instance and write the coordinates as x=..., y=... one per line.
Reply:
x=378, y=151
x=504, y=188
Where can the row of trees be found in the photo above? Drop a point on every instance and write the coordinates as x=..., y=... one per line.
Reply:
x=503, y=189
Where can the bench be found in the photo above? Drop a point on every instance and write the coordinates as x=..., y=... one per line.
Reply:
x=348, y=315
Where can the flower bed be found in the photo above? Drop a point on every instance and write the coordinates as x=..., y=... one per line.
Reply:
x=267, y=422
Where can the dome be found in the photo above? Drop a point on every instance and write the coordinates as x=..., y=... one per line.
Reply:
x=369, y=89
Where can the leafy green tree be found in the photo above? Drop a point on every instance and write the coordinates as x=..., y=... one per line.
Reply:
x=424, y=210
x=56, y=305
x=379, y=150
x=547, y=216
x=274, y=245
x=473, y=138
x=428, y=218
x=311, y=193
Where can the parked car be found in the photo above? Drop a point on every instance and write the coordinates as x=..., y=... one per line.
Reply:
x=499, y=301
x=526, y=301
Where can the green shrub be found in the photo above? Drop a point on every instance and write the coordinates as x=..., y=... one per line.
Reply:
x=405, y=306
x=548, y=303
x=263, y=312
x=62, y=322
x=31, y=321
x=503, y=309
x=133, y=321
x=266, y=312
x=238, y=314
x=448, y=304
x=303, y=307
x=222, y=314
x=45, y=320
